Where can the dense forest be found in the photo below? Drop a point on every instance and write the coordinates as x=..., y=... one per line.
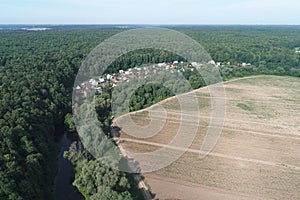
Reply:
x=38, y=69
x=37, y=74
x=269, y=49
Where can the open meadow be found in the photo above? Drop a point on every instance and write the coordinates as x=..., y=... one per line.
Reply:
x=256, y=157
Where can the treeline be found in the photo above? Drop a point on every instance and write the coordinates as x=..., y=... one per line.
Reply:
x=269, y=49
x=141, y=93
x=94, y=178
x=140, y=57
x=148, y=95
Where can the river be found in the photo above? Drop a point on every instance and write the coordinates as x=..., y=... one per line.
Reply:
x=63, y=188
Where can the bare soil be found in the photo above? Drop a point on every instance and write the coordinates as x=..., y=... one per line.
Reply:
x=256, y=157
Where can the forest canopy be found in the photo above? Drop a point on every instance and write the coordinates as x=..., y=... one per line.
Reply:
x=38, y=70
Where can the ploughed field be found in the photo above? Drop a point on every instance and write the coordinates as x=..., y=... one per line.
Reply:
x=256, y=157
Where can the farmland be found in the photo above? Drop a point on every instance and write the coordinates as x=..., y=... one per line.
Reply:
x=256, y=157
x=38, y=66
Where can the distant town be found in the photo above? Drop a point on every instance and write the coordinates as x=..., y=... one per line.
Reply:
x=114, y=80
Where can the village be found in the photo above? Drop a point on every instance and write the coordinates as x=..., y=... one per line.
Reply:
x=142, y=72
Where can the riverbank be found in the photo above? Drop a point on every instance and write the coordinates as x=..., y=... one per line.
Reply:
x=63, y=188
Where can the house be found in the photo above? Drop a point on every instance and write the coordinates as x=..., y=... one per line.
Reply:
x=115, y=84
x=93, y=82
x=194, y=64
x=174, y=65
x=99, y=90
x=101, y=80
x=161, y=64
x=212, y=62
x=113, y=78
x=108, y=76
x=78, y=89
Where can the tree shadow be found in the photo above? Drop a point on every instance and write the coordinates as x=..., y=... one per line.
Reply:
x=129, y=164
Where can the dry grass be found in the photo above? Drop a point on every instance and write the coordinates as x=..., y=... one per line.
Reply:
x=258, y=153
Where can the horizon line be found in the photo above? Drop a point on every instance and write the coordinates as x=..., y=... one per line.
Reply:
x=156, y=24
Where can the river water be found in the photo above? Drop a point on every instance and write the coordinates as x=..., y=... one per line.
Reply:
x=63, y=188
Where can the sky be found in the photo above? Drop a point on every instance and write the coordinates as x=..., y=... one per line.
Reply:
x=150, y=12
